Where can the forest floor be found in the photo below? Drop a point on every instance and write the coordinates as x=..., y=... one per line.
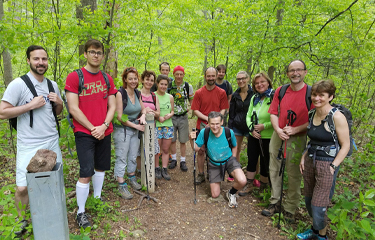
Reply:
x=174, y=216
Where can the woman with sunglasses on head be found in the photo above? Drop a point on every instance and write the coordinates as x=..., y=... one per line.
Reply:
x=239, y=104
x=151, y=103
x=164, y=125
x=259, y=122
x=126, y=136
x=320, y=163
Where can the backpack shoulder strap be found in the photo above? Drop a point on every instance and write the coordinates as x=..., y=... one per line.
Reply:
x=205, y=136
x=311, y=117
x=308, y=97
x=124, y=95
x=228, y=136
x=187, y=89
x=227, y=85
x=51, y=89
x=283, y=91
x=106, y=80
x=137, y=93
x=81, y=81
x=332, y=128
x=31, y=87
x=154, y=99
x=29, y=84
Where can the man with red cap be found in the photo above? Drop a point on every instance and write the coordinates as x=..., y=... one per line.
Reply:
x=183, y=94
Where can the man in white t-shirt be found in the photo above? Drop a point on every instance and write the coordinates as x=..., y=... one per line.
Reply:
x=38, y=133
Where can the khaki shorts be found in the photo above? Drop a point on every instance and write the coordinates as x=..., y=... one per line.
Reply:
x=181, y=125
x=217, y=173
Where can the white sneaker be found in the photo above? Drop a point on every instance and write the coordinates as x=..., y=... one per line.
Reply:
x=232, y=200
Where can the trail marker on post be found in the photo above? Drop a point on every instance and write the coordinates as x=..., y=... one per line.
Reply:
x=148, y=154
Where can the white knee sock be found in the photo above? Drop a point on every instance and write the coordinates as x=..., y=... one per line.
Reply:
x=97, y=183
x=82, y=192
x=174, y=157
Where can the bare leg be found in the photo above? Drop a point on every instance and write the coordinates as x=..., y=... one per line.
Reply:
x=200, y=159
x=239, y=179
x=250, y=175
x=183, y=149
x=239, y=144
x=173, y=148
x=21, y=196
x=323, y=232
x=165, y=144
x=215, y=189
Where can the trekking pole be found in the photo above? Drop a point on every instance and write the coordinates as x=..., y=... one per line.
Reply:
x=195, y=185
x=144, y=151
x=255, y=120
x=282, y=156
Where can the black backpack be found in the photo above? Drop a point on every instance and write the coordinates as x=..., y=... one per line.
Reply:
x=81, y=87
x=29, y=84
x=307, y=96
x=228, y=136
x=331, y=124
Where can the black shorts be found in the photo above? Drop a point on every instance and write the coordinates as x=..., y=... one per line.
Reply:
x=92, y=153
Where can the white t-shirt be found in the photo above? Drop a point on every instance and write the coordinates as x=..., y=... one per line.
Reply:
x=44, y=125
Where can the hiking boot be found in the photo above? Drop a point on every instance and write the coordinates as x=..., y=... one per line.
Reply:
x=308, y=234
x=271, y=209
x=134, y=184
x=200, y=178
x=124, y=192
x=289, y=217
x=173, y=164
x=157, y=173
x=183, y=166
x=232, y=200
x=23, y=226
x=164, y=173
x=83, y=220
x=246, y=190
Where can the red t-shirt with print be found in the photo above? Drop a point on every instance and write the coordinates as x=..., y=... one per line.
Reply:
x=91, y=101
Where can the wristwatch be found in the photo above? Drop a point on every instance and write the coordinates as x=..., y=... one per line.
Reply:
x=333, y=166
x=106, y=124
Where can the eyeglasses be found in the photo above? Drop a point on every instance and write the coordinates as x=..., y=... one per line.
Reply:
x=130, y=69
x=299, y=70
x=93, y=53
x=241, y=79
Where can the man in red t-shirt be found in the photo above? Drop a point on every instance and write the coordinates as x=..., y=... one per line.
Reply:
x=92, y=110
x=207, y=99
x=293, y=135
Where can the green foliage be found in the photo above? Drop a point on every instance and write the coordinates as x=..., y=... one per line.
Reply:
x=354, y=219
x=124, y=118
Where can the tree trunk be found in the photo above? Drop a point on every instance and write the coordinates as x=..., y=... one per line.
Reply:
x=7, y=59
x=92, y=5
x=111, y=60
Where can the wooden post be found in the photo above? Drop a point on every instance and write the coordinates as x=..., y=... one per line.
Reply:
x=148, y=154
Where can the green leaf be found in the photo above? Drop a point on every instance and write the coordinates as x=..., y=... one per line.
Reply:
x=366, y=225
x=370, y=193
x=348, y=205
x=369, y=203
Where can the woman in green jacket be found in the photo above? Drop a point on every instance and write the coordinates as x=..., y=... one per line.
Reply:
x=258, y=120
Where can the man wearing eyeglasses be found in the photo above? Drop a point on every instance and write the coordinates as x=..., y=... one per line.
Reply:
x=36, y=125
x=92, y=112
x=226, y=86
x=289, y=118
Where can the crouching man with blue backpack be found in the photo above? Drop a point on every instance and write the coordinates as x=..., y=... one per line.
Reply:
x=32, y=103
x=221, y=148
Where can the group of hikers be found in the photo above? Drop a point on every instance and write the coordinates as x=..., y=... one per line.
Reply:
x=275, y=123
